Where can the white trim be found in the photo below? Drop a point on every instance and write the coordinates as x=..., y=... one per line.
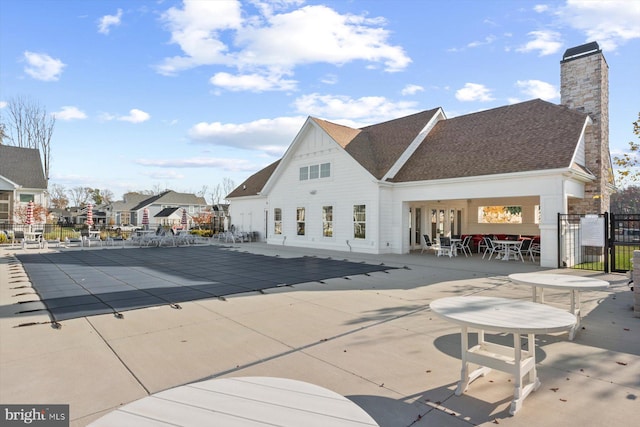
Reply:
x=408, y=152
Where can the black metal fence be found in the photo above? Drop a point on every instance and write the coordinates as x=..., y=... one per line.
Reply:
x=624, y=238
x=603, y=242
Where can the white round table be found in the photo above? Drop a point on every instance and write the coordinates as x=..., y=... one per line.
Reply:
x=241, y=402
x=575, y=284
x=502, y=315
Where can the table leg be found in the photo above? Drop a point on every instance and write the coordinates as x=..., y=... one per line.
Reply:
x=575, y=310
x=521, y=391
x=464, y=372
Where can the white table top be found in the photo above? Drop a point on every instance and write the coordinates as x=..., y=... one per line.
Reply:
x=559, y=281
x=503, y=314
x=242, y=401
x=507, y=242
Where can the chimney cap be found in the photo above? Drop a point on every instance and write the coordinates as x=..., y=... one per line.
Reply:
x=582, y=50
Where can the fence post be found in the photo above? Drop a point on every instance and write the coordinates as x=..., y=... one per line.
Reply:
x=635, y=276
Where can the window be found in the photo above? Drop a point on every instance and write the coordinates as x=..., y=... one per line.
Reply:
x=537, y=214
x=322, y=170
x=327, y=221
x=359, y=221
x=325, y=170
x=314, y=172
x=500, y=215
x=26, y=198
x=300, y=221
x=277, y=221
x=304, y=173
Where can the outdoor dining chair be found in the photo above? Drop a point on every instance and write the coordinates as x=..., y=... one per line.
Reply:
x=427, y=244
x=523, y=249
x=445, y=247
x=490, y=248
x=465, y=246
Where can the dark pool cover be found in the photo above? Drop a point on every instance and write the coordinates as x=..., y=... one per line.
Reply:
x=84, y=283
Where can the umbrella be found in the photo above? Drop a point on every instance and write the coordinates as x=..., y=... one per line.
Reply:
x=29, y=219
x=90, y=215
x=145, y=218
x=183, y=221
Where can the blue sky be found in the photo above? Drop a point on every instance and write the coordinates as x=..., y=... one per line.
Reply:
x=188, y=94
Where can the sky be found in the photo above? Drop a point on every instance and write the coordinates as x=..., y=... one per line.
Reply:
x=187, y=95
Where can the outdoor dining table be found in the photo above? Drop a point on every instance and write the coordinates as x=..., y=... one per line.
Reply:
x=242, y=401
x=501, y=315
x=506, y=244
x=575, y=284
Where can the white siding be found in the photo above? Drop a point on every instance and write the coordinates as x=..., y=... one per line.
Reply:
x=348, y=185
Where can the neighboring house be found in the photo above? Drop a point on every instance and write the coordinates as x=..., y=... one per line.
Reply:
x=131, y=209
x=170, y=217
x=22, y=181
x=379, y=188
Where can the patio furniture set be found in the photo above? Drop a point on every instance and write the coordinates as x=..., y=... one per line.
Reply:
x=500, y=247
x=516, y=317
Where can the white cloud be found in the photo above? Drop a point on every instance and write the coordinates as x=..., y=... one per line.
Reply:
x=538, y=89
x=370, y=109
x=106, y=22
x=43, y=67
x=487, y=40
x=610, y=23
x=541, y=8
x=221, y=33
x=271, y=136
x=70, y=113
x=474, y=92
x=135, y=116
x=201, y=162
x=165, y=175
x=3, y=104
x=545, y=42
x=252, y=82
x=411, y=89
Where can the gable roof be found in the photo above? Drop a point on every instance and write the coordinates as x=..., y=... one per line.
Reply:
x=378, y=147
x=529, y=136
x=254, y=184
x=22, y=166
x=171, y=197
x=166, y=212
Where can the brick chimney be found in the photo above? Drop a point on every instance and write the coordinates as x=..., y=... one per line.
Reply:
x=584, y=87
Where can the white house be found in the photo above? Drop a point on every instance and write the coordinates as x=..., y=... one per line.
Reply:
x=379, y=188
x=22, y=181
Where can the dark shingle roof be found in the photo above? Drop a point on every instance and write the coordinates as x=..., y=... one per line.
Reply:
x=22, y=166
x=378, y=147
x=254, y=184
x=532, y=135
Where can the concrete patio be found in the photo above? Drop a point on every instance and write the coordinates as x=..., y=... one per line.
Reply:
x=371, y=338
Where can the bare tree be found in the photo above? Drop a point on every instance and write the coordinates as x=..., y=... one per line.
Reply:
x=29, y=126
x=80, y=195
x=3, y=133
x=227, y=186
x=203, y=192
x=58, y=196
x=216, y=194
x=107, y=196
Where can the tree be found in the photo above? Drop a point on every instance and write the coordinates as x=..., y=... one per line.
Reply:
x=628, y=163
x=227, y=186
x=58, y=196
x=80, y=196
x=626, y=201
x=29, y=126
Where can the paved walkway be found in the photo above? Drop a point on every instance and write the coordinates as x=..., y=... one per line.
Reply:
x=370, y=338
